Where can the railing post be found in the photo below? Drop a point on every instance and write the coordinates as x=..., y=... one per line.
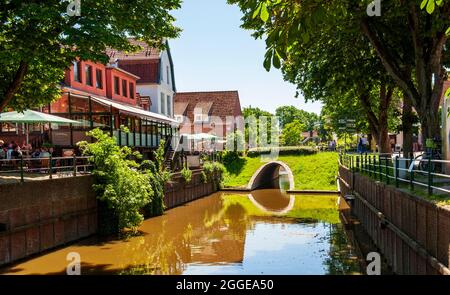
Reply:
x=386, y=168
x=380, y=171
x=358, y=162
x=430, y=177
x=21, y=169
x=74, y=165
x=366, y=164
x=370, y=166
x=411, y=174
x=50, y=166
x=396, y=171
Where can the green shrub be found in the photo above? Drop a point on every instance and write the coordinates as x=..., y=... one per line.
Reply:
x=215, y=172
x=158, y=179
x=118, y=181
x=282, y=151
x=203, y=177
x=187, y=174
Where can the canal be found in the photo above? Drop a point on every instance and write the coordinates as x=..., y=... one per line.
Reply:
x=263, y=232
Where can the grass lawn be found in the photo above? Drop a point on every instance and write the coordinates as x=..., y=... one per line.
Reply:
x=311, y=172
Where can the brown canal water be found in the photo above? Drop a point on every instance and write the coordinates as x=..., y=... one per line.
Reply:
x=264, y=232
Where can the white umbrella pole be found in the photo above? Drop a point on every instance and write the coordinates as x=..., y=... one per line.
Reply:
x=28, y=133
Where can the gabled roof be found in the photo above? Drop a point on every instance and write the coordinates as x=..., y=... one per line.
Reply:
x=180, y=108
x=146, y=63
x=147, y=52
x=218, y=103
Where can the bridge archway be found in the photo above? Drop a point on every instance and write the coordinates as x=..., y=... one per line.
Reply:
x=267, y=176
x=272, y=203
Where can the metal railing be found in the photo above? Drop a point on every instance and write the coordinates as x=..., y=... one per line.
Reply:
x=415, y=173
x=29, y=168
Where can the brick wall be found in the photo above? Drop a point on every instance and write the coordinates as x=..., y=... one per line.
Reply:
x=38, y=216
x=41, y=215
x=416, y=239
x=178, y=192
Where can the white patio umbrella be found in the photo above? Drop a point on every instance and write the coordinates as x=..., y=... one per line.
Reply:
x=30, y=117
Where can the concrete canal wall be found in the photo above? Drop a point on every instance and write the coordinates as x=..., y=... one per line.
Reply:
x=413, y=234
x=41, y=215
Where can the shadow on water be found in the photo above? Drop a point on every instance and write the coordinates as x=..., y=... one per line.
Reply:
x=223, y=233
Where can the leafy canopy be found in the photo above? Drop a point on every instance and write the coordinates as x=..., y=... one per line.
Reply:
x=39, y=40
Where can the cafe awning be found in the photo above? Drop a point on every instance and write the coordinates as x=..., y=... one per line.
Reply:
x=135, y=111
x=30, y=117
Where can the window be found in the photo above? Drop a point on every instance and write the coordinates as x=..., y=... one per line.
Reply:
x=169, y=106
x=89, y=75
x=99, y=79
x=131, y=90
x=179, y=118
x=199, y=116
x=124, y=88
x=116, y=85
x=76, y=71
x=168, y=75
x=163, y=104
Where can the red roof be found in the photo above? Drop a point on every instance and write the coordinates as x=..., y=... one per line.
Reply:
x=147, y=52
x=220, y=103
x=144, y=63
x=147, y=70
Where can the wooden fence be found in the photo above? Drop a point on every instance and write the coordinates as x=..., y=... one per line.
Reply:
x=412, y=233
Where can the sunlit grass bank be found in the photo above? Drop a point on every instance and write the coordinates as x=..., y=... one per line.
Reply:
x=311, y=172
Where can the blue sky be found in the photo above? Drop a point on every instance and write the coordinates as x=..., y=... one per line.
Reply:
x=214, y=53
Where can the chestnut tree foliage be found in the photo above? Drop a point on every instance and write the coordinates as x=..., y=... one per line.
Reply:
x=332, y=47
x=39, y=40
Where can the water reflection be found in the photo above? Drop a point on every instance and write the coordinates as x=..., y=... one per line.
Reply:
x=221, y=234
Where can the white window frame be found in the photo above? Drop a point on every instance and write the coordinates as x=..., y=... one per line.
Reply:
x=179, y=118
x=162, y=102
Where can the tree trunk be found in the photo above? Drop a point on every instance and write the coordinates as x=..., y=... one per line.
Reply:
x=407, y=126
x=14, y=86
x=430, y=125
x=384, y=145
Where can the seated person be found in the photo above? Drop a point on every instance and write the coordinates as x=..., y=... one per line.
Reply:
x=36, y=153
x=44, y=153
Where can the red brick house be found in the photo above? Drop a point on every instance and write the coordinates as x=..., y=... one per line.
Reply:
x=105, y=97
x=215, y=112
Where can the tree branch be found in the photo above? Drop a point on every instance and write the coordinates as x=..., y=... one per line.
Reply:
x=389, y=62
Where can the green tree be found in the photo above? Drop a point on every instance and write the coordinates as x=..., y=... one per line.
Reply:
x=409, y=40
x=288, y=114
x=291, y=135
x=254, y=117
x=39, y=40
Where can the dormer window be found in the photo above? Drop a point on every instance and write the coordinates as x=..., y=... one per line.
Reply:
x=116, y=85
x=89, y=75
x=200, y=116
x=99, y=78
x=124, y=88
x=77, y=71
